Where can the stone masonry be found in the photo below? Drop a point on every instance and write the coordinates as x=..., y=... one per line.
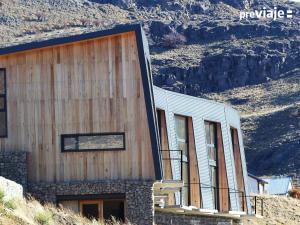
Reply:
x=139, y=195
x=13, y=166
x=163, y=218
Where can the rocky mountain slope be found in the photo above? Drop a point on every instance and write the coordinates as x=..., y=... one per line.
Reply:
x=251, y=64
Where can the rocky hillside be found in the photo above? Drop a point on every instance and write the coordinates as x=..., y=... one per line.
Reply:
x=251, y=64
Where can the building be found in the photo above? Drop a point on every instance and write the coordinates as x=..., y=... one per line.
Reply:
x=279, y=185
x=256, y=185
x=83, y=126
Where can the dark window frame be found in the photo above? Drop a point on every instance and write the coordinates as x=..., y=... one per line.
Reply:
x=63, y=136
x=4, y=109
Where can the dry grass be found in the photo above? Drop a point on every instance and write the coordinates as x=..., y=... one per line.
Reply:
x=31, y=212
x=278, y=210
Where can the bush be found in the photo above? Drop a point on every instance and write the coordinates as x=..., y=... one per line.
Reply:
x=295, y=193
x=1, y=196
x=11, y=204
x=173, y=39
x=85, y=22
x=41, y=16
x=44, y=217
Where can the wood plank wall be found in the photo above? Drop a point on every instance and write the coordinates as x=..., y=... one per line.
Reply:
x=85, y=87
x=238, y=167
x=166, y=158
x=195, y=193
x=224, y=201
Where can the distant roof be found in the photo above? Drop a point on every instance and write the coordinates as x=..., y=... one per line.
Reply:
x=62, y=37
x=257, y=178
x=278, y=185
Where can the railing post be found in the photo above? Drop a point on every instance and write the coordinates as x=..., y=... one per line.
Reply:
x=255, y=205
x=243, y=201
x=181, y=164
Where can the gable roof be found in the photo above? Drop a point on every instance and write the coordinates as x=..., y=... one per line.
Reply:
x=65, y=38
x=278, y=185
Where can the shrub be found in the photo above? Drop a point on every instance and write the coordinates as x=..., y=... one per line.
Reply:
x=173, y=39
x=44, y=217
x=295, y=193
x=1, y=196
x=85, y=22
x=11, y=204
x=98, y=23
x=40, y=16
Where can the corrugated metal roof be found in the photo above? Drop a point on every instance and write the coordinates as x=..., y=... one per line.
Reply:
x=278, y=185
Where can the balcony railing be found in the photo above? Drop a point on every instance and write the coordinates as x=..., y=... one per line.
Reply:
x=176, y=156
x=168, y=158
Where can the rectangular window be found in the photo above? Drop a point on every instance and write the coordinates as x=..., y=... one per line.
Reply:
x=181, y=127
x=97, y=208
x=3, y=107
x=211, y=144
x=92, y=142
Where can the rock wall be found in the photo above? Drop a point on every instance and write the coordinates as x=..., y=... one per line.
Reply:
x=162, y=218
x=139, y=195
x=13, y=166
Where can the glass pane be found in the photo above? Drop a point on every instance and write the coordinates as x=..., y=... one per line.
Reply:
x=2, y=123
x=90, y=211
x=212, y=133
x=97, y=142
x=183, y=146
x=207, y=132
x=70, y=205
x=213, y=176
x=2, y=82
x=212, y=153
x=113, y=208
x=181, y=127
x=2, y=101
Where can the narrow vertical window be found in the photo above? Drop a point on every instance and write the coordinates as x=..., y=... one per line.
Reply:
x=182, y=141
x=3, y=105
x=211, y=144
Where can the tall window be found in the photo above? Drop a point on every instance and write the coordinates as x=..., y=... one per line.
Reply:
x=182, y=141
x=3, y=105
x=211, y=144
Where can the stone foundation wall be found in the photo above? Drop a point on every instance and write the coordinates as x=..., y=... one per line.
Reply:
x=139, y=195
x=162, y=218
x=13, y=166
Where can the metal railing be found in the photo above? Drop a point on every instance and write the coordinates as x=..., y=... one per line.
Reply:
x=257, y=203
x=169, y=159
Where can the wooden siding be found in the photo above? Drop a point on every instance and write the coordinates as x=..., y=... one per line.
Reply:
x=238, y=168
x=166, y=158
x=195, y=193
x=85, y=87
x=224, y=201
